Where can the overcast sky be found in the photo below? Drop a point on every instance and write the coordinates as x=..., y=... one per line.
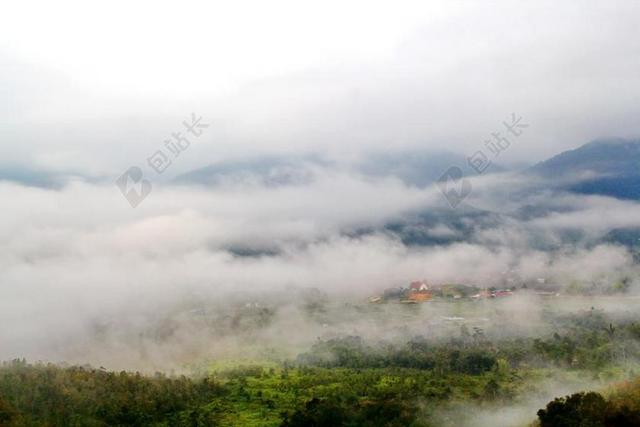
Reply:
x=95, y=88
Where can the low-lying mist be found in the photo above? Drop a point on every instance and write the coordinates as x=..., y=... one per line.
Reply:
x=196, y=273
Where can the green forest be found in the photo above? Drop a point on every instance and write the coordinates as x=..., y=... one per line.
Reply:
x=351, y=381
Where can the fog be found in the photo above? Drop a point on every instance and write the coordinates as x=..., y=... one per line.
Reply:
x=310, y=192
x=520, y=413
x=86, y=278
x=336, y=79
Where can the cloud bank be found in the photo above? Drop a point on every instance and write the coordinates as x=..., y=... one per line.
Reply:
x=80, y=260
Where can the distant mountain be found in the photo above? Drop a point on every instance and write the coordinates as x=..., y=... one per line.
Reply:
x=609, y=167
x=418, y=168
x=35, y=178
x=272, y=171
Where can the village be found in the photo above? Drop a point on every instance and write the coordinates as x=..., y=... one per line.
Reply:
x=420, y=291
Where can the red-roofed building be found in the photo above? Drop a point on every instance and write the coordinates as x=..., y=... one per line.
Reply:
x=502, y=293
x=419, y=286
x=419, y=291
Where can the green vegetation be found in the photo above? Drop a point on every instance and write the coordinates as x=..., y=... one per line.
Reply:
x=587, y=341
x=586, y=409
x=48, y=395
x=620, y=409
x=345, y=381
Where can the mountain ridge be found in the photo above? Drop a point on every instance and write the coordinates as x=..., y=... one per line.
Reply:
x=606, y=166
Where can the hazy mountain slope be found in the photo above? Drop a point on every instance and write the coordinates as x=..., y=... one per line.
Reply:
x=413, y=167
x=35, y=178
x=609, y=167
x=270, y=171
